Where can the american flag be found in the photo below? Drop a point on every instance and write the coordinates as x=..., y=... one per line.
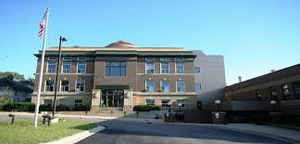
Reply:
x=43, y=24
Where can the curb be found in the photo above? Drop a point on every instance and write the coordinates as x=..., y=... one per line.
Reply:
x=78, y=136
x=272, y=136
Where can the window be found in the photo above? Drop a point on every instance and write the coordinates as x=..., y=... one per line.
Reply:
x=196, y=69
x=164, y=86
x=48, y=102
x=180, y=86
x=81, y=65
x=285, y=91
x=80, y=85
x=51, y=65
x=258, y=95
x=274, y=93
x=197, y=86
x=149, y=66
x=67, y=65
x=150, y=85
x=115, y=68
x=65, y=85
x=78, y=102
x=150, y=101
x=50, y=85
x=165, y=103
x=296, y=87
x=164, y=65
x=179, y=66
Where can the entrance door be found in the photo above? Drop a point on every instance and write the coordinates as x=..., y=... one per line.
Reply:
x=112, y=98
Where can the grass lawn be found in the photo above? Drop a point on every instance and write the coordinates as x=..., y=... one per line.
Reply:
x=23, y=131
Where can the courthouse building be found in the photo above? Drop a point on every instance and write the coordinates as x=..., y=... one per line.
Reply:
x=120, y=74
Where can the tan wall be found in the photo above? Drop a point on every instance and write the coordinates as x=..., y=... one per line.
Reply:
x=129, y=79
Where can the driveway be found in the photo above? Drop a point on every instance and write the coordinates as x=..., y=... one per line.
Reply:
x=141, y=132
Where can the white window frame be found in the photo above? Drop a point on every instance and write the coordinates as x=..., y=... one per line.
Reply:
x=61, y=86
x=146, y=85
x=48, y=64
x=76, y=82
x=85, y=63
x=146, y=62
x=62, y=66
x=160, y=65
x=161, y=84
x=177, y=86
x=45, y=86
x=150, y=99
x=179, y=60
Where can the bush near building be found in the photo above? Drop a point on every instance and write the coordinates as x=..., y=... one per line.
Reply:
x=146, y=108
x=30, y=107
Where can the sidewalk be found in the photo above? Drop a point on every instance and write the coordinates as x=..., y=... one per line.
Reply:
x=59, y=115
x=288, y=135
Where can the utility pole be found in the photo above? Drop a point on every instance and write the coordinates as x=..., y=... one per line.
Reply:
x=58, y=66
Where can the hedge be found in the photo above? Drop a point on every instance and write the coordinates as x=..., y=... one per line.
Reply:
x=20, y=106
x=30, y=107
x=145, y=108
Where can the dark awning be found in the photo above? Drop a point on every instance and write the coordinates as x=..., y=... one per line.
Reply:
x=112, y=86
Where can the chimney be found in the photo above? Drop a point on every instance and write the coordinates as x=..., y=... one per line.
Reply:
x=240, y=79
x=273, y=70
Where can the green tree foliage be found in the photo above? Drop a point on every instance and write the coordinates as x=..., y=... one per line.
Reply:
x=15, y=75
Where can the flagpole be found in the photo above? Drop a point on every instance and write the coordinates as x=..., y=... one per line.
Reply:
x=41, y=71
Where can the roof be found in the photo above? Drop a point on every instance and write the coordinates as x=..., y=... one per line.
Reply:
x=273, y=76
x=121, y=44
x=120, y=48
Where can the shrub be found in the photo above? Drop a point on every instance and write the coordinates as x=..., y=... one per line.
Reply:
x=145, y=108
x=18, y=106
x=81, y=108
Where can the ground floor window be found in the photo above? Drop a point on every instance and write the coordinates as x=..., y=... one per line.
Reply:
x=150, y=101
x=78, y=102
x=48, y=102
x=165, y=103
x=65, y=85
x=50, y=85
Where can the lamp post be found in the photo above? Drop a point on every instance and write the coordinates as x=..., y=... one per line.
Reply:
x=218, y=102
x=61, y=39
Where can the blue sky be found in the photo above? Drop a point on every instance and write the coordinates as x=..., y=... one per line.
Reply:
x=254, y=36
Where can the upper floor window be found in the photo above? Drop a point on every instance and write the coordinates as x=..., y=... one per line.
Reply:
x=49, y=85
x=197, y=86
x=67, y=65
x=51, y=65
x=150, y=85
x=196, y=69
x=179, y=66
x=81, y=65
x=114, y=68
x=80, y=85
x=65, y=85
x=164, y=65
x=149, y=66
x=180, y=86
x=164, y=86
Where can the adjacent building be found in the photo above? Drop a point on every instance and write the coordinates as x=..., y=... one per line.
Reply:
x=209, y=77
x=119, y=75
x=278, y=91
